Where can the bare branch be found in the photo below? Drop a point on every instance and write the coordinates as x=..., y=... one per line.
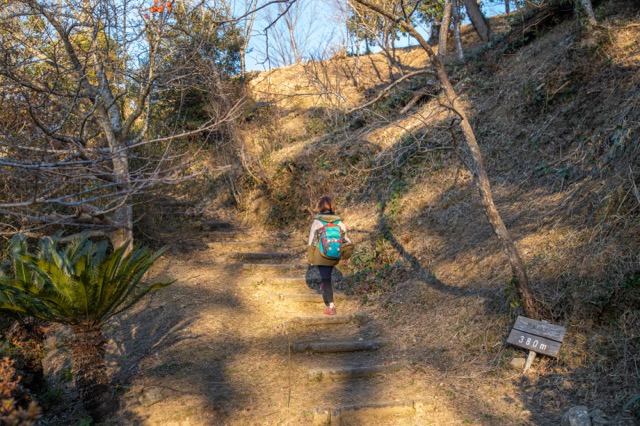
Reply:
x=390, y=87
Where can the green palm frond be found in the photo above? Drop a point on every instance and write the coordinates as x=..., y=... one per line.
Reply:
x=108, y=274
x=130, y=301
x=16, y=302
x=76, y=249
x=134, y=266
x=8, y=301
x=39, y=285
x=18, y=247
x=80, y=284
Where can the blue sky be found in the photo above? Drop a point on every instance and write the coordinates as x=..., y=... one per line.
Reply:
x=319, y=20
x=321, y=28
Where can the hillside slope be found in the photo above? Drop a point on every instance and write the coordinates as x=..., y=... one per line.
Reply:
x=558, y=120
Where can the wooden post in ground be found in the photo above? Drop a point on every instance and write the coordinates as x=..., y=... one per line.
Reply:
x=530, y=358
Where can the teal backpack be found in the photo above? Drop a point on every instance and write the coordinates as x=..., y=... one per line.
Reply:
x=330, y=241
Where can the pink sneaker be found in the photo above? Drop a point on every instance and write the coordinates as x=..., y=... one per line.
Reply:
x=330, y=311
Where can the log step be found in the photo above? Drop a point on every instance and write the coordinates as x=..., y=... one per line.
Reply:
x=350, y=413
x=216, y=225
x=320, y=320
x=345, y=373
x=235, y=244
x=289, y=282
x=219, y=236
x=273, y=267
x=310, y=297
x=331, y=347
x=259, y=256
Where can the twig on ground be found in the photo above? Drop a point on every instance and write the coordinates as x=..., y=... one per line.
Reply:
x=633, y=184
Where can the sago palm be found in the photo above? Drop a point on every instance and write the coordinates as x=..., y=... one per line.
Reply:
x=81, y=285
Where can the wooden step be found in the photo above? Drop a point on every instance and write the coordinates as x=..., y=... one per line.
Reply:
x=331, y=347
x=310, y=297
x=235, y=244
x=345, y=373
x=220, y=236
x=320, y=320
x=212, y=225
x=259, y=256
x=296, y=282
x=350, y=414
x=274, y=267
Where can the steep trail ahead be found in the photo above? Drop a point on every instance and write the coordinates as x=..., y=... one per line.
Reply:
x=239, y=343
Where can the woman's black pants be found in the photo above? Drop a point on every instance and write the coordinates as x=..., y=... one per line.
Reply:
x=327, y=289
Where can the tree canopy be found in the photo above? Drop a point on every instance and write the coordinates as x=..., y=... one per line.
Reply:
x=89, y=87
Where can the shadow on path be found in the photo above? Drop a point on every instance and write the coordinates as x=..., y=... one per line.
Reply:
x=174, y=346
x=426, y=275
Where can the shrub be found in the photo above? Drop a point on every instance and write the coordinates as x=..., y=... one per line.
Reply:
x=11, y=411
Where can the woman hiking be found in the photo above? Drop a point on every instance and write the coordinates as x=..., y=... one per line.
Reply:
x=326, y=228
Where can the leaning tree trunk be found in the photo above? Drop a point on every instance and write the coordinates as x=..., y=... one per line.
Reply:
x=484, y=187
x=90, y=372
x=588, y=10
x=478, y=20
x=480, y=174
x=444, y=29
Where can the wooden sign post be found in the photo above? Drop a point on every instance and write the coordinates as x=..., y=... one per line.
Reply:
x=539, y=337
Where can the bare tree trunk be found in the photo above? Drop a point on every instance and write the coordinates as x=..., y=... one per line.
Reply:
x=386, y=41
x=507, y=6
x=435, y=31
x=456, y=30
x=394, y=52
x=123, y=215
x=444, y=29
x=394, y=59
x=290, y=45
x=292, y=40
x=111, y=120
x=247, y=28
x=356, y=66
x=388, y=50
x=478, y=20
x=588, y=10
x=480, y=175
x=123, y=218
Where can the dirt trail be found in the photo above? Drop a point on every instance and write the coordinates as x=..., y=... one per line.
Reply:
x=212, y=350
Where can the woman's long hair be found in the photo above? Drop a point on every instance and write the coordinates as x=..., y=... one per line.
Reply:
x=325, y=204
